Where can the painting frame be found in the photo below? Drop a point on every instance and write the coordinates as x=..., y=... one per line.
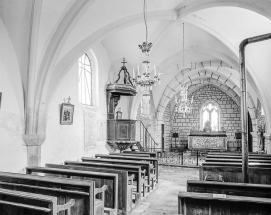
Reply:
x=66, y=114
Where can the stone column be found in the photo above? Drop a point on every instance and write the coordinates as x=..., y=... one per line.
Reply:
x=267, y=142
x=255, y=141
x=33, y=143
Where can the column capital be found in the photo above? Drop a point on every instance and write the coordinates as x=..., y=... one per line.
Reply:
x=34, y=139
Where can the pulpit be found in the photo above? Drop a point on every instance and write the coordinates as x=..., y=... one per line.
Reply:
x=120, y=132
x=216, y=140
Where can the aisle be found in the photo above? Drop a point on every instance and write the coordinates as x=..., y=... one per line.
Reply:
x=164, y=199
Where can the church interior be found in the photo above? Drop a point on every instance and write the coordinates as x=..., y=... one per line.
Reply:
x=101, y=100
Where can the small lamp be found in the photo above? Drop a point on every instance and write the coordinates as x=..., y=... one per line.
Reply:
x=119, y=113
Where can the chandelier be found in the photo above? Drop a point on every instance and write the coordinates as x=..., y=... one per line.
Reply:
x=183, y=105
x=145, y=81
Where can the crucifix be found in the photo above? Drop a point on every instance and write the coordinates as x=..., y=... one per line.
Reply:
x=69, y=99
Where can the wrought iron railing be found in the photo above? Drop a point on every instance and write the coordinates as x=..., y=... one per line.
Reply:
x=143, y=136
x=182, y=158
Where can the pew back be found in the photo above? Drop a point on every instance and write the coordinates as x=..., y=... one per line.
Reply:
x=22, y=203
x=232, y=172
x=131, y=159
x=110, y=200
x=206, y=203
x=229, y=188
x=135, y=170
x=130, y=155
x=82, y=193
x=124, y=183
x=120, y=186
x=152, y=154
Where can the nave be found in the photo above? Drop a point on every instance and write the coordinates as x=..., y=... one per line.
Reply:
x=103, y=94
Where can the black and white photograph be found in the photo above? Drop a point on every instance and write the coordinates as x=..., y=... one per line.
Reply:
x=135, y=107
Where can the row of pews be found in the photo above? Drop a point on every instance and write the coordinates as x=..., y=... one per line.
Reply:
x=220, y=189
x=107, y=184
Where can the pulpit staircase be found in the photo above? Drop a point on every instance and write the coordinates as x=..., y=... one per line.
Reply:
x=145, y=141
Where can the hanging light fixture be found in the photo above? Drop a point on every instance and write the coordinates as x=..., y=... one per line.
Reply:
x=145, y=81
x=183, y=105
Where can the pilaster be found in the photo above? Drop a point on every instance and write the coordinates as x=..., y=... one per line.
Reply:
x=33, y=143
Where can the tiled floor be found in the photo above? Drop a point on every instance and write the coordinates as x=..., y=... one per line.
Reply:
x=164, y=199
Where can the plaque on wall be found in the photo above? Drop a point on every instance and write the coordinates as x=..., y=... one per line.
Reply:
x=90, y=130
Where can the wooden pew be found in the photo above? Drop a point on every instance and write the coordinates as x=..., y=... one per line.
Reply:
x=259, y=173
x=230, y=160
x=21, y=203
x=124, y=190
x=130, y=155
x=82, y=192
x=132, y=170
x=251, y=157
x=144, y=165
x=207, y=203
x=229, y=188
x=152, y=154
x=238, y=154
x=125, y=184
x=110, y=197
x=152, y=161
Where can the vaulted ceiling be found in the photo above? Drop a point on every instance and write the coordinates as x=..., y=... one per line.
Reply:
x=62, y=30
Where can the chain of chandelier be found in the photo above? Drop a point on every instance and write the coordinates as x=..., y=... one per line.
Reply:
x=144, y=79
x=183, y=104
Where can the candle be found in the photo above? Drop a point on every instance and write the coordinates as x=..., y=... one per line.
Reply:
x=138, y=73
x=176, y=99
x=133, y=72
x=154, y=70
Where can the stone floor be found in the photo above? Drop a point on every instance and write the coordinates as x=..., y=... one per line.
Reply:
x=164, y=199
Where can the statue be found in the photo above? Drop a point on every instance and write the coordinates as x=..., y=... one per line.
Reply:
x=207, y=126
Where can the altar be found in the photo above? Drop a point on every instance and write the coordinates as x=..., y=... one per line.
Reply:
x=207, y=140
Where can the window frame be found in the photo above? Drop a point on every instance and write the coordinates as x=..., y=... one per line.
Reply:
x=88, y=85
x=205, y=104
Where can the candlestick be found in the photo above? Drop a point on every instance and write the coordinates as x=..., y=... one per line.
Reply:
x=133, y=72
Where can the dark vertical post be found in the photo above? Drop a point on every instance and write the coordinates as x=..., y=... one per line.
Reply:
x=243, y=85
x=197, y=157
x=244, y=119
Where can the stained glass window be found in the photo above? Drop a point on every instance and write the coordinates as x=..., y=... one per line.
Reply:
x=210, y=112
x=85, y=80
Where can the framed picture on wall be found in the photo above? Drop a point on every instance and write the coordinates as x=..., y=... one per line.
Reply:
x=66, y=114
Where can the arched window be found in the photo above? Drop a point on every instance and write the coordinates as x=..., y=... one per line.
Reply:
x=210, y=112
x=85, y=80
